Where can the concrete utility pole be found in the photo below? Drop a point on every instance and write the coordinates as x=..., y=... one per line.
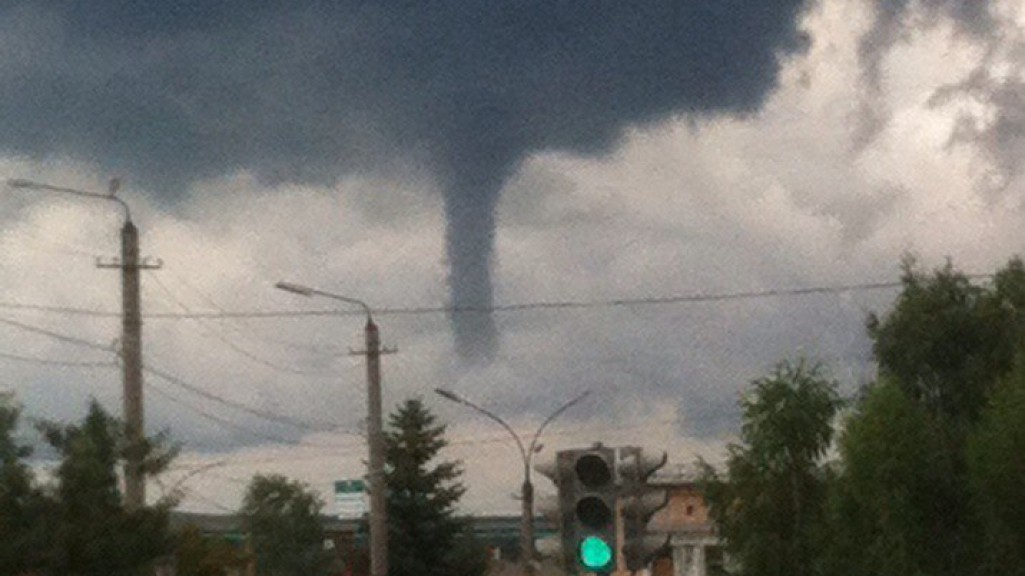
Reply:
x=131, y=335
x=375, y=428
x=131, y=357
x=527, y=489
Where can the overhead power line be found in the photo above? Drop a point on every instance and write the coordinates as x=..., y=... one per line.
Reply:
x=62, y=310
x=264, y=414
x=224, y=422
x=243, y=329
x=549, y=305
x=696, y=298
x=53, y=362
x=56, y=335
x=214, y=332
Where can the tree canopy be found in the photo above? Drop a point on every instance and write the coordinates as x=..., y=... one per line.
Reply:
x=893, y=504
x=91, y=532
x=926, y=479
x=282, y=518
x=996, y=464
x=927, y=473
x=769, y=505
x=943, y=351
x=425, y=538
x=21, y=503
x=947, y=340
x=76, y=524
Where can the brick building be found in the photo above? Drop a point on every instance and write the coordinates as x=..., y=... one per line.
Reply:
x=695, y=549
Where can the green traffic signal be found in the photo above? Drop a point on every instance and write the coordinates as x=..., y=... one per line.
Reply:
x=595, y=553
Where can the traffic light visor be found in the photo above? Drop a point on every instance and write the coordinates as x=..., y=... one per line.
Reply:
x=593, y=512
x=593, y=471
x=595, y=553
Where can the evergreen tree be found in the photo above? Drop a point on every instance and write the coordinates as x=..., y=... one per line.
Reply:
x=282, y=518
x=20, y=503
x=769, y=507
x=424, y=535
x=90, y=532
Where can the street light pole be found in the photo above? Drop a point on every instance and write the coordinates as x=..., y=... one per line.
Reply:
x=375, y=429
x=131, y=337
x=527, y=489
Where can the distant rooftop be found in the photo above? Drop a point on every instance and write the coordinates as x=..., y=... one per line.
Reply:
x=673, y=474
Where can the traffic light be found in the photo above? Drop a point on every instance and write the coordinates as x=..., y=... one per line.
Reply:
x=587, y=503
x=640, y=501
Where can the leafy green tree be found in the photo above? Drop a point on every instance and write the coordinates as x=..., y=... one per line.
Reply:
x=90, y=531
x=282, y=518
x=769, y=506
x=425, y=538
x=996, y=457
x=945, y=345
x=947, y=340
x=889, y=507
x=20, y=502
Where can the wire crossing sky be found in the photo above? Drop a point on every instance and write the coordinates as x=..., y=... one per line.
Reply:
x=523, y=306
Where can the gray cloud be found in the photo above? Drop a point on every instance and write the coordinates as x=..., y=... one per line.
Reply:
x=1000, y=134
x=890, y=26
x=172, y=92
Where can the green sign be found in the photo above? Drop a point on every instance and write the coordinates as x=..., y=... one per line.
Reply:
x=595, y=554
x=349, y=486
x=350, y=498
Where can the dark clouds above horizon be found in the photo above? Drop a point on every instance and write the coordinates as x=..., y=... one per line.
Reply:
x=319, y=143
x=170, y=93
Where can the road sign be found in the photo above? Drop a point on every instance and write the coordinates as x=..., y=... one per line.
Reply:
x=350, y=499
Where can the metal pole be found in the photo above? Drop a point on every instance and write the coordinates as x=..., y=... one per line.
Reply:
x=527, y=521
x=131, y=343
x=527, y=550
x=378, y=503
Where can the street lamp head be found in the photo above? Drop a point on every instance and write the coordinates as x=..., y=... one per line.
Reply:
x=448, y=395
x=294, y=288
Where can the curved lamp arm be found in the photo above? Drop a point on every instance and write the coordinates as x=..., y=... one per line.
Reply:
x=114, y=185
x=556, y=414
x=449, y=395
x=307, y=291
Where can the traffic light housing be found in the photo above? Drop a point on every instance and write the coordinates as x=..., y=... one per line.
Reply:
x=586, y=479
x=639, y=502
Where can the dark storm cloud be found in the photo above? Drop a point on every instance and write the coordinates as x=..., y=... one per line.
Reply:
x=169, y=92
x=890, y=25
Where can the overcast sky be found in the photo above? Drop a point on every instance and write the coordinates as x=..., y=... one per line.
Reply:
x=434, y=155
